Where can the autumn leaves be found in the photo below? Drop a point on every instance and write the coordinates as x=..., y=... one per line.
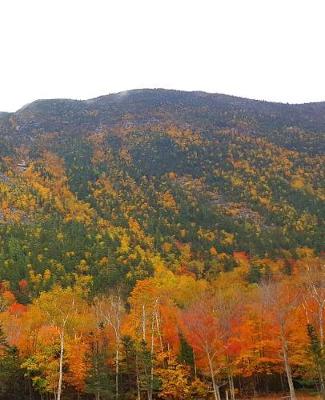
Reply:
x=234, y=333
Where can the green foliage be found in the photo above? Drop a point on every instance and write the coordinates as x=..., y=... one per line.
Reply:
x=11, y=375
x=318, y=355
x=96, y=195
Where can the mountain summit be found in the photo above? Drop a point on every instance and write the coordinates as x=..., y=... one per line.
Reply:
x=279, y=123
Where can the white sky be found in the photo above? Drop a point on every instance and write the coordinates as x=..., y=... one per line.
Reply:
x=264, y=49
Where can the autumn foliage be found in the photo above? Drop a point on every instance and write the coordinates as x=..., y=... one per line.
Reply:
x=168, y=246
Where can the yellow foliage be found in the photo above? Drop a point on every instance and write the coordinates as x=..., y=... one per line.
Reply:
x=168, y=201
x=297, y=183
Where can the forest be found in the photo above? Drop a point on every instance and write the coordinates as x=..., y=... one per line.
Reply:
x=162, y=245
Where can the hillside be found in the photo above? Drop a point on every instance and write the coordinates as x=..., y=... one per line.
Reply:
x=162, y=190
x=191, y=169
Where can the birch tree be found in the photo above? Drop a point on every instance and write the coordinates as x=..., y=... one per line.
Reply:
x=110, y=310
x=280, y=300
x=62, y=309
x=203, y=333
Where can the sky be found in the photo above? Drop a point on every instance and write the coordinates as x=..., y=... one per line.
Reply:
x=262, y=49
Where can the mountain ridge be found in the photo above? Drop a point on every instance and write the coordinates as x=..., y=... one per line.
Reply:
x=147, y=90
x=291, y=126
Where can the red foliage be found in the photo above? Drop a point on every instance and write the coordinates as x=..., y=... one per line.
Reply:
x=17, y=309
x=23, y=284
x=240, y=255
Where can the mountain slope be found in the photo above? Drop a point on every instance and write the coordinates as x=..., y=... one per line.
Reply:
x=298, y=127
x=99, y=190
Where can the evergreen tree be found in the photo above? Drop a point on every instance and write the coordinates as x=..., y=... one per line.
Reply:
x=100, y=381
x=318, y=356
x=11, y=375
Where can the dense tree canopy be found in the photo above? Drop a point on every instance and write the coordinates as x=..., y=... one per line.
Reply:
x=161, y=245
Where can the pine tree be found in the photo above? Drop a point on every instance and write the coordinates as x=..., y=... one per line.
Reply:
x=11, y=375
x=99, y=381
x=318, y=356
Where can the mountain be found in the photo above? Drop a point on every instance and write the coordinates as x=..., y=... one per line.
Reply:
x=191, y=177
x=161, y=244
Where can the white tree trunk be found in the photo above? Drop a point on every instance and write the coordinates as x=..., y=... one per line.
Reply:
x=117, y=367
x=151, y=356
x=231, y=386
x=143, y=323
x=287, y=367
x=215, y=387
x=194, y=365
x=321, y=326
x=138, y=377
x=158, y=331
x=61, y=364
x=117, y=329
